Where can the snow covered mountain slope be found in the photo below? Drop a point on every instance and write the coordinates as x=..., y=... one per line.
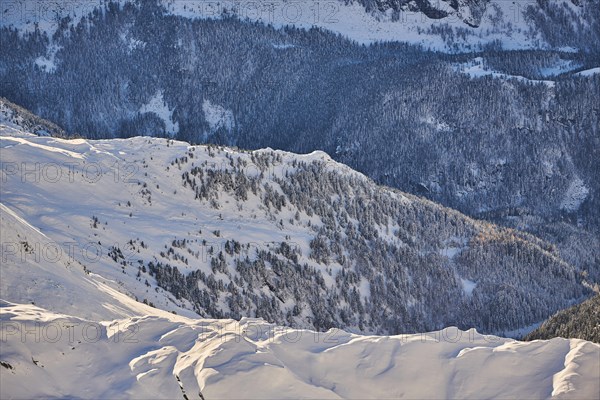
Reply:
x=164, y=357
x=89, y=227
x=17, y=117
x=37, y=271
x=299, y=240
x=439, y=25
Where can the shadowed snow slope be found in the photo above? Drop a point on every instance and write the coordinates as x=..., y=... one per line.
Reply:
x=160, y=357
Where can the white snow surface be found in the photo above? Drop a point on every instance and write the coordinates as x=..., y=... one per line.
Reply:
x=560, y=67
x=575, y=195
x=217, y=116
x=283, y=46
x=155, y=356
x=48, y=62
x=468, y=286
x=476, y=69
x=158, y=106
x=589, y=72
x=74, y=332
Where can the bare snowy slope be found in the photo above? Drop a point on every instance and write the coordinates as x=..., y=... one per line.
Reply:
x=160, y=357
x=36, y=270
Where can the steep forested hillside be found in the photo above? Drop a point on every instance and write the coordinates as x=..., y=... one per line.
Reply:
x=581, y=322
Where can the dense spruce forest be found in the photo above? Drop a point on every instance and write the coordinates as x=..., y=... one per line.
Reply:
x=580, y=322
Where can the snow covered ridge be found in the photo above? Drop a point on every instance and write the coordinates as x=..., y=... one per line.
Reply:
x=439, y=25
x=299, y=240
x=173, y=357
